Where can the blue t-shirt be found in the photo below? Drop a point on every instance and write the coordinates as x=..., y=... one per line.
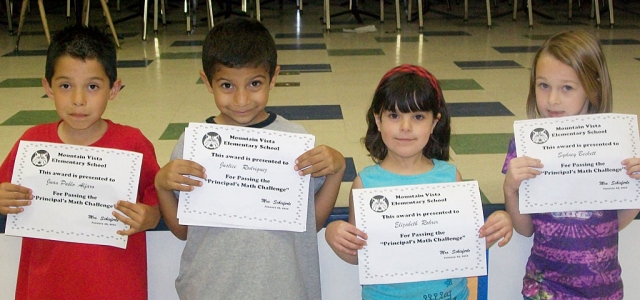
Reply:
x=446, y=289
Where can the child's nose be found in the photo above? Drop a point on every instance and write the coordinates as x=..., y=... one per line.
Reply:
x=405, y=124
x=78, y=98
x=241, y=97
x=554, y=98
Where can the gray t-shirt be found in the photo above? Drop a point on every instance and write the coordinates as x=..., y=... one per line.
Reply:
x=226, y=263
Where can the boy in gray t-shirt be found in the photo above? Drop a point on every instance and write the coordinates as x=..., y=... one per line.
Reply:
x=240, y=68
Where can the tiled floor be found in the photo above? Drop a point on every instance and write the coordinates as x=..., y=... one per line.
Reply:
x=328, y=78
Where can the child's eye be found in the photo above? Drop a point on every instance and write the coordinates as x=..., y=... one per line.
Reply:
x=93, y=87
x=393, y=115
x=419, y=117
x=543, y=85
x=65, y=86
x=255, y=83
x=567, y=88
x=225, y=85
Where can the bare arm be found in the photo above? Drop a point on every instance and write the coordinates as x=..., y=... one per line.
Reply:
x=172, y=177
x=343, y=237
x=169, y=210
x=323, y=161
x=520, y=168
x=625, y=216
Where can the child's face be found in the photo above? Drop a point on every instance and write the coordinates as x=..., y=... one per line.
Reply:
x=558, y=89
x=406, y=134
x=80, y=90
x=241, y=94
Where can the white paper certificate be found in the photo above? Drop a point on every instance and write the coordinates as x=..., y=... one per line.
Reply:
x=74, y=189
x=420, y=232
x=250, y=181
x=581, y=157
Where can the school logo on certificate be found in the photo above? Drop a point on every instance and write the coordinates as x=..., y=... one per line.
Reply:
x=539, y=136
x=40, y=158
x=379, y=203
x=211, y=140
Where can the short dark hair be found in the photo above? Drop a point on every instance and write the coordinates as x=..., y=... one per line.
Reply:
x=239, y=42
x=409, y=89
x=82, y=42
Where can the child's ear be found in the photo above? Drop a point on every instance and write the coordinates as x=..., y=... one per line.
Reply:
x=47, y=88
x=377, y=118
x=272, y=84
x=435, y=121
x=115, y=88
x=203, y=76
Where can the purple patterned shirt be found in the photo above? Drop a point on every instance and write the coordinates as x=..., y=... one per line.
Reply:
x=574, y=254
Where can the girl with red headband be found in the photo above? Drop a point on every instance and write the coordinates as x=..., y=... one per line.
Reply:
x=408, y=139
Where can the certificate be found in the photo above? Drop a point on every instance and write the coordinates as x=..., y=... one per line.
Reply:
x=420, y=232
x=251, y=182
x=581, y=157
x=74, y=189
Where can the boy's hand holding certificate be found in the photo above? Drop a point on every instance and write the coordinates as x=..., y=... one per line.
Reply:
x=420, y=232
x=75, y=189
x=582, y=158
x=251, y=182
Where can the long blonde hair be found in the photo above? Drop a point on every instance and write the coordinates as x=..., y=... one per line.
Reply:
x=581, y=51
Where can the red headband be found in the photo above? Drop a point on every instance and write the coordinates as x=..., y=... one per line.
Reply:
x=420, y=71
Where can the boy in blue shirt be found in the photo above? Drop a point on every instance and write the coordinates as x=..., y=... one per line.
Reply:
x=239, y=62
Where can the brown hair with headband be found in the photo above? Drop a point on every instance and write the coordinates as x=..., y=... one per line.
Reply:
x=409, y=88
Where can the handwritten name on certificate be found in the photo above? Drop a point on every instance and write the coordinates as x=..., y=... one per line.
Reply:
x=581, y=157
x=250, y=181
x=74, y=189
x=420, y=232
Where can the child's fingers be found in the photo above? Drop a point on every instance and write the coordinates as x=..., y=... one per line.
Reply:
x=308, y=158
x=497, y=227
x=127, y=208
x=16, y=189
x=128, y=232
x=309, y=166
x=13, y=198
x=180, y=168
x=361, y=235
x=632, y=165
x=9, y=191
x=349, y=244
x=505, y=240
x=13, y=206
x=194, y=169
x=354, y=239
x=349, y=249
x=344, y=237
x=328, y=165
x=128, y=221
x=526, y=161
x=182, y=183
